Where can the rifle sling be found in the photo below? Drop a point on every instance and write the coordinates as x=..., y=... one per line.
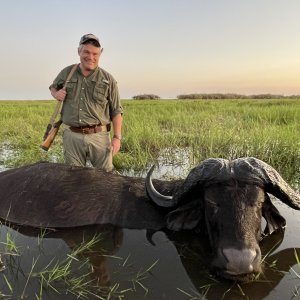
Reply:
x=59, y=103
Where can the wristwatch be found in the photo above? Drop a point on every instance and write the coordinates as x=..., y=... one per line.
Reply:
x=117, y=136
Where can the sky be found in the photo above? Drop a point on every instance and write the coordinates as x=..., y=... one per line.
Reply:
x=162, y=47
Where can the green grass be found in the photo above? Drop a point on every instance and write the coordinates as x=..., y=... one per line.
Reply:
x=266, y=129
x=10, y=245
x=72, y=274
x=153, y=130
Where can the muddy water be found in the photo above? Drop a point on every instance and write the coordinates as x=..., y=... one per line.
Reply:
x=139, y=266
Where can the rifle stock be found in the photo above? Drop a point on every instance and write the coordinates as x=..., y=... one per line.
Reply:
x=50, y=135
x=49, y=126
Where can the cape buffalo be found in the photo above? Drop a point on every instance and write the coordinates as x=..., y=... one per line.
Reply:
x=222, y=199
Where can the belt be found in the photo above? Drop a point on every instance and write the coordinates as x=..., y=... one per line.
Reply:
x=89, y=129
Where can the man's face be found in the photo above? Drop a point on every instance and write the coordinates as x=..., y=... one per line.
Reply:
x=89, y=56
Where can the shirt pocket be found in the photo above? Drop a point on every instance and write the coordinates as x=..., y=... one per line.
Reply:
x=100, y=93
x=71, y=88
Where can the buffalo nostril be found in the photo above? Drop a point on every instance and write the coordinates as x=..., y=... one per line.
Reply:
x=224, y=254
x=242, y=261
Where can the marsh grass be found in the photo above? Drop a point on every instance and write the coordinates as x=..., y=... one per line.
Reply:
x=72, y=275
x=266, y=129
x=296, y=292
x=153, y=130
x=10, y=246
x=298, y=264
x=142, y=275
x=195, y=295
x=64, y=276
x=61, y=276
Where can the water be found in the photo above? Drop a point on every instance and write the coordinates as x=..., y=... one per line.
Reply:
x=5, y=153
x=166, y=267
x=132, y=266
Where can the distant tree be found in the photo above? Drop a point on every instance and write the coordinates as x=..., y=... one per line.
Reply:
x=234, y=96
x=266, y=96
x=211, y=96
x=146, y=97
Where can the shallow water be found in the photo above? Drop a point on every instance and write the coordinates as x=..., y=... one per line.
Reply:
x=168, y=267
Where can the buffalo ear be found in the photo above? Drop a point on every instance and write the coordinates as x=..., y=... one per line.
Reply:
x=185, y=217
x=272, y=216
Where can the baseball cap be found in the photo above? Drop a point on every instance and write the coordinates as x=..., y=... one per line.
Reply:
x=88, y=37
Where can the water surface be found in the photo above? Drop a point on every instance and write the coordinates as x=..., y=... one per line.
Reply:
x=166, y=266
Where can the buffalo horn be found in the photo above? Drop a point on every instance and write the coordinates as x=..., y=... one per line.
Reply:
x=154, y=195
x=272, y=181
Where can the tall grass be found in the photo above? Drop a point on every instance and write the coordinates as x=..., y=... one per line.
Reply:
x=266, y=129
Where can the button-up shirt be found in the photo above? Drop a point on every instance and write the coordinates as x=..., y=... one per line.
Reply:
x=90, y=100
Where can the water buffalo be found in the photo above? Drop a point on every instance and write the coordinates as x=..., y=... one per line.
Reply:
x=226, y=200
x=222, y=199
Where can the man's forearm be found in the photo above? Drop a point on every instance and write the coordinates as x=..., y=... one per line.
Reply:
x=53, y=92
x=117, y=125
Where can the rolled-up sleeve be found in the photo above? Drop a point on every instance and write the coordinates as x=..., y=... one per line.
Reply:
x=60, y=79
x=114, y=100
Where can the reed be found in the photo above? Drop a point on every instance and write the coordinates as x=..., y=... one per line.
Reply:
x=60, y=276
x=72, y=275
x=140, y=276
x=10, y=245
x=298, y=264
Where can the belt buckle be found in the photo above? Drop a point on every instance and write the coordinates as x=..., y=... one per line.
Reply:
x=83, y=130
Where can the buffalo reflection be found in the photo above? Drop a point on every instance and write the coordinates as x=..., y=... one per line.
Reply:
x=106, y=239
x=195, y=259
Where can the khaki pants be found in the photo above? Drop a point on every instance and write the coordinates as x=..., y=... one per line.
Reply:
x=96, y=147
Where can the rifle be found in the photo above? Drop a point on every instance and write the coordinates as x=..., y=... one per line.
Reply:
x=53, y=127
x=51, y=130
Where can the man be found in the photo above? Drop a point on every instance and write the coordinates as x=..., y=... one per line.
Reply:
x=91, y=103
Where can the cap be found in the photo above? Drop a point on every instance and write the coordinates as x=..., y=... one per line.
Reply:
x=88, y=37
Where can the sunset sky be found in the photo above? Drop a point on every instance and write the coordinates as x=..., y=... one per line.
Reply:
x=164, y=47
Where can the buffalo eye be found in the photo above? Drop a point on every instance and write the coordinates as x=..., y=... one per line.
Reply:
x=212, y=207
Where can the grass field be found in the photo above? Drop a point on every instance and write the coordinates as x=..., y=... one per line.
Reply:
x=153, y=130
x=266, y=129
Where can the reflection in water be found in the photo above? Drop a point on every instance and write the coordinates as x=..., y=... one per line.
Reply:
x=275, y=267
x=111, y=252
x=110, y=240
x=46, y=256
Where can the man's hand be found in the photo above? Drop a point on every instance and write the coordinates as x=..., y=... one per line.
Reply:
x=116, y=141
x=115, y=145
x=59, y=95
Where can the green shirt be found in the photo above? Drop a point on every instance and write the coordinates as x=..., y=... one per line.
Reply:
x=90, y=100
